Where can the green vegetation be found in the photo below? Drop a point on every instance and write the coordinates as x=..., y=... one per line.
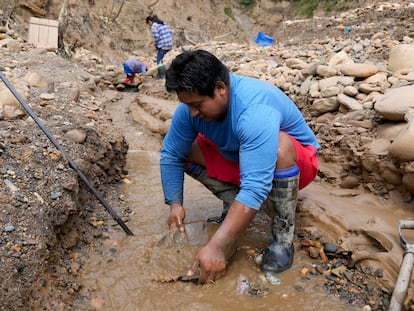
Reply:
x=229, y=12
x=247, y=4
x=338, y=5
x=331, y=5
x=307, y=8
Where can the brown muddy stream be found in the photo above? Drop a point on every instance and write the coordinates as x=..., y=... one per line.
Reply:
x=127, y=275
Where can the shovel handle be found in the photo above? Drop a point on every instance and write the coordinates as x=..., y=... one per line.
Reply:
x=400, y=289
x=405, y=224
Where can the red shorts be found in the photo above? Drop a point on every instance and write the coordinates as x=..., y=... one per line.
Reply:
x=220, y=168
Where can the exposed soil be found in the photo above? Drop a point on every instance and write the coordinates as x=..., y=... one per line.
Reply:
x=47, y=213
x=49, y=217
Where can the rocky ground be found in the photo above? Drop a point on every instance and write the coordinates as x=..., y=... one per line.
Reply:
x=46, y=211
x=48, y=216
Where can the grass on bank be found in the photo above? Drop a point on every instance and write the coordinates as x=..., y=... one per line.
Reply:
x=307, y=8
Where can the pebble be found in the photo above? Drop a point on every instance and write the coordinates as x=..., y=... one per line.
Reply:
x=330, y=248
x=299, y=288
x=379, y=273
x=271, y=278
x=9, y=227
x=56, y=195
x=11, y=186
x=42, y=282
x=243, y=285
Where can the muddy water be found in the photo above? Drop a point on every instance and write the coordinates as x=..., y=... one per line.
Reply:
x=132, y=272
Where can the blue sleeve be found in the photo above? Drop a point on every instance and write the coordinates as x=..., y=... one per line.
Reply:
x=155, y=34
x=176, y=147
x=258, y=153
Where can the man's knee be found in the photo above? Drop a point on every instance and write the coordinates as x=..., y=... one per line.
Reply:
x=195, y=156
x=286, y=152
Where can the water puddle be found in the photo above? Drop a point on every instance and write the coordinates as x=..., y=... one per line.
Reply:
x=134, y=273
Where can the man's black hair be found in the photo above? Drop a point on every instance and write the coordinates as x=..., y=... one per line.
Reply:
x=196, y=71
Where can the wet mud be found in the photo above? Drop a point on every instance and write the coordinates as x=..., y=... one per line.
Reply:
x=141, y=272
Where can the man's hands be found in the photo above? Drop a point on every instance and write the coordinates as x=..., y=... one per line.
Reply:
x=211, y=262
x=176, y=218
x=211, y=259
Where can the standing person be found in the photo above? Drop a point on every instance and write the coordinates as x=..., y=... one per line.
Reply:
x=248, y=143
x=133, y=67
x=162, y=36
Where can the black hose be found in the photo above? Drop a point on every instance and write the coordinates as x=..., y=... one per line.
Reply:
x=68, y=158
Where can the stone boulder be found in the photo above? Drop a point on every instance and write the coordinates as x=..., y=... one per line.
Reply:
x=395, y=103
x=401, y=57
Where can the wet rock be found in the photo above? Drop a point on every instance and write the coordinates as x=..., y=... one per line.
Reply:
x=338, y=271
x=272, y=278
x=379, y=273
x=299, y=288
x=246, y=288
x=243, y=285
x=349, y=182
x=330, y=248
x=313, y=252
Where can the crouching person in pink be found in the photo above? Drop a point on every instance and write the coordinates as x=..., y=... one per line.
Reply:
x=248, y=143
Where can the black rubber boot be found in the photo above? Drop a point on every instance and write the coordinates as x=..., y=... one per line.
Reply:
x=224, y=191
x=281, y=207
x=220, y=219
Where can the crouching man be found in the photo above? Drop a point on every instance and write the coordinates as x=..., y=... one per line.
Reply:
x=248, y=143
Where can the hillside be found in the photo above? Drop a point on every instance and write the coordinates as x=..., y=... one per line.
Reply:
x=115, y=30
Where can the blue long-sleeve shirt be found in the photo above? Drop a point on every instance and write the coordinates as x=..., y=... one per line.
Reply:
x=248, y=135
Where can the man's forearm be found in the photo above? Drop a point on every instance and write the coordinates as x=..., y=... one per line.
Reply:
x=237, y=220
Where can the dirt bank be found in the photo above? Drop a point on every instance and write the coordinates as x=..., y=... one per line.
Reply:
x=47, y=213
